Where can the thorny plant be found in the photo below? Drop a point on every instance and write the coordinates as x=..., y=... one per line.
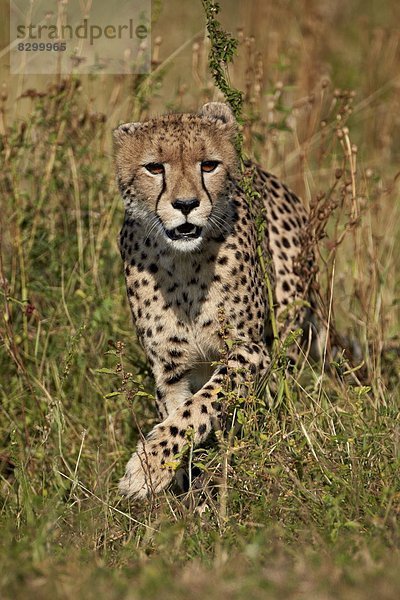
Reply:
x=223, y=47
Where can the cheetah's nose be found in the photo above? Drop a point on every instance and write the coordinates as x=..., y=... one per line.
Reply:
x=186, y=206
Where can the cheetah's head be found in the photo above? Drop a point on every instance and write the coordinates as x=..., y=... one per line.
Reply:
x=174, y=173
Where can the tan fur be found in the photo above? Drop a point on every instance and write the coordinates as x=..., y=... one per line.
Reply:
x=184, y=270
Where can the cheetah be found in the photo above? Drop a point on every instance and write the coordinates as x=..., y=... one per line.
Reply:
x=189, y=243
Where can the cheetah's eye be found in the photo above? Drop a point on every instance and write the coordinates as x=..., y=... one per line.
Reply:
x=208, y=166
x=155, y=168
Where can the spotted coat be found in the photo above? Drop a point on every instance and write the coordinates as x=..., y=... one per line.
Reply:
x=189, y=245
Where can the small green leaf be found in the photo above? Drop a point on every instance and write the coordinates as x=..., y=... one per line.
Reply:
x=199, y=465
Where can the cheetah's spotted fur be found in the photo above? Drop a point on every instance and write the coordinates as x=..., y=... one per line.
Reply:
x=189, y=245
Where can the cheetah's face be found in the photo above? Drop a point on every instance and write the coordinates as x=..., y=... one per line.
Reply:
x=174, y=173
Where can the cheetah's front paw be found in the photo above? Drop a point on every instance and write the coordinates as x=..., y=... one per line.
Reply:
x=150, y=468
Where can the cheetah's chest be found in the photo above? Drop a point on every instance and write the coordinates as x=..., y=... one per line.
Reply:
x=193, y=297
x=172, y=299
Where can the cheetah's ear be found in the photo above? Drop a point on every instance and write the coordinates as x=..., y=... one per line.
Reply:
x=218, y=111
x=122, y=132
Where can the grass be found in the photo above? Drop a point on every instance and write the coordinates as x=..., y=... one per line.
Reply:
x=310, y=487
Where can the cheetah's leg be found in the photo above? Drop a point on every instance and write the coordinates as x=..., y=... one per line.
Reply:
x=152, y=466
x=170, y=396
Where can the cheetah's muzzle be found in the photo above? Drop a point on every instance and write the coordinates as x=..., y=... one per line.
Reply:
x=187, y=231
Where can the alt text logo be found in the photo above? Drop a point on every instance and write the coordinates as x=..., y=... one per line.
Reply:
x=78, y=36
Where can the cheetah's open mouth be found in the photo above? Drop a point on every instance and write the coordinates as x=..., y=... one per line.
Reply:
x=187, y=231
